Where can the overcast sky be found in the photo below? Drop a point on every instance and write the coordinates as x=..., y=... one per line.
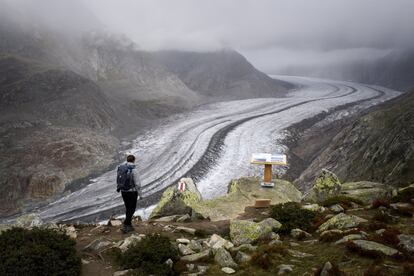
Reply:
x=272, y=34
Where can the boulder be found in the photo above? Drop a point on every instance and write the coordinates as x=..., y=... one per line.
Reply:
x=365, y=191
x=228, y=270
x=122, y=272
x=271, y=222
x=195, y=246
x=242, y=193
x=407, y=242
x=174, y=202
x=70, y=231
x=29, y=221
x=244, y=231
x=336, y=208
x=97, y=245
x=167, y=218
x=341, y=221
x=203, y=255
x=313, y=207
x=350, y=237
x=202, y=269
x=169, y=263
x=185, y=250
x=185, y=218
x=331, y=235
x=187, y=230
x=217, y=242
x=326, y=185
x=273, y=236
x=123, y=245
x=242, y=257
x=223, y=258
x=182, y=240
x=403, y=208
x=327, y=269
x=299, y=234
x=114, y=222
x=374, y=247
x=284, y=269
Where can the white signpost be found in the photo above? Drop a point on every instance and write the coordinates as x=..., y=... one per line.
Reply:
x=268, y=160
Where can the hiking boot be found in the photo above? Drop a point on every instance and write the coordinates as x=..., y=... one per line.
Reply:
x=127, y=229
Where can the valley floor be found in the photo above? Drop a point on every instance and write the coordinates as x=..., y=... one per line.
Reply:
x=213, y=145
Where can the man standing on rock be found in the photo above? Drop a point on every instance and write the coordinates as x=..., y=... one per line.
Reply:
x=129, y=184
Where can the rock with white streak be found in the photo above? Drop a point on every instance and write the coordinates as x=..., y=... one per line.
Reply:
x=182, y=240
x=284, y=269
x=133, y=239
x=228, y=270
x=187, y=230
x=185, y=250
x=203, y=255
x=216, y=241
x=374, y=247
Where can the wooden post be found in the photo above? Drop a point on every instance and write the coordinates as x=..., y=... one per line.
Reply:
x=268, y=160
x=268, y=173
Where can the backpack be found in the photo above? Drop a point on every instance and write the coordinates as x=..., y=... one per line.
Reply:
x=125, y=178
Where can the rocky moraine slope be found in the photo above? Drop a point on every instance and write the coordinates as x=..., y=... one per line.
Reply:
x=378, y=146
x=353, y=228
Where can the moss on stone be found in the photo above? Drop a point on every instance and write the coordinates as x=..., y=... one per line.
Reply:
x=328, y=181
x=242, y=192
x=244, y=231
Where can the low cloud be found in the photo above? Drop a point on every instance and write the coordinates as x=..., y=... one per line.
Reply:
x=273, y=34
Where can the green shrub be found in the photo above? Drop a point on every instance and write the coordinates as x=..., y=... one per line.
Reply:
x=291, y=215
x=344, y=201
x=37, y=252
x=149, y=256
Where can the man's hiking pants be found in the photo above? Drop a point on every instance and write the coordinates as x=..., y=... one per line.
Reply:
x=130, y=201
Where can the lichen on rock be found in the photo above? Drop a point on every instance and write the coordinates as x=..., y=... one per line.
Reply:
x=175, y=202
x=326, y=185
x=341, y=221
x=244, y=231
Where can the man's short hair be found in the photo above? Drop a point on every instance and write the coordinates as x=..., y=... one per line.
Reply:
x=131, y=158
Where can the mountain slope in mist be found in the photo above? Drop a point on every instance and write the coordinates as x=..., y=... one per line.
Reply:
x=223, y=74
x=394, y=70
x=377, y=147
x=67, y=98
